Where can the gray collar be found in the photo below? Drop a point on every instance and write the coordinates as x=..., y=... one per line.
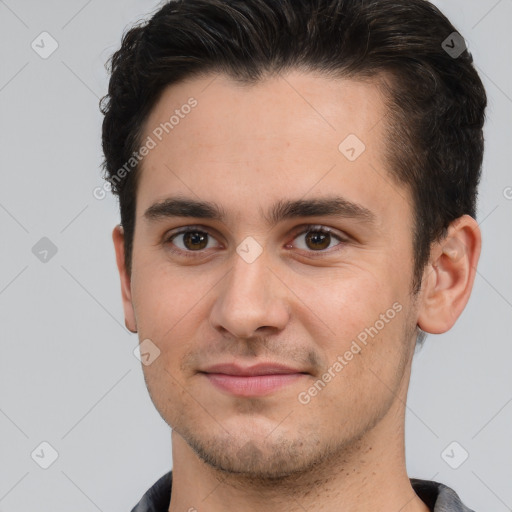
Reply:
x=438, y=497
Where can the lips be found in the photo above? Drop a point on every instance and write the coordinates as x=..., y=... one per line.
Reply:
x=258, y=369
x=257, y=380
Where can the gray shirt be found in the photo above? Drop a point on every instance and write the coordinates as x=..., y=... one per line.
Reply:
x=438, y=497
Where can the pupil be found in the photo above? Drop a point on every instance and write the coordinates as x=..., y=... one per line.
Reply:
x=318, y=237
x=195, y=238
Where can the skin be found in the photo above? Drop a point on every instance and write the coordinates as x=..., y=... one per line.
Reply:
x=246, y=147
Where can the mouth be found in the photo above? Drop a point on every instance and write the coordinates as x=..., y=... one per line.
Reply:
x=257, y=380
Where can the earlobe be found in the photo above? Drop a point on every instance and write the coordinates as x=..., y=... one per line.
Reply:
x=126, y=294
x=448, y=278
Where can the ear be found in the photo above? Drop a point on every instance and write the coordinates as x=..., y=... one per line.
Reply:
x=448, y=278
x=129, y=314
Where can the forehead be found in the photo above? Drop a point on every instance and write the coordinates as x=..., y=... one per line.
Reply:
x=280, y=107
x=286, y=136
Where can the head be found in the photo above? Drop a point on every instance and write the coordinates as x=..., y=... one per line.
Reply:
x=276, y=93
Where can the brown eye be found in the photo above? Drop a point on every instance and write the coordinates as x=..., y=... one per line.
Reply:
x=189, y=241
x=195, y=240
x=317, y=239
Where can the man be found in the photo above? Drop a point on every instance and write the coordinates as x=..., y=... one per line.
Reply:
x=297, y=185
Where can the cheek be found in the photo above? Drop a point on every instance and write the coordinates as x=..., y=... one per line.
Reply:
x=164, y=297
x=359, y=326
x=364, y=365
x=342, y=304
x=166, y=391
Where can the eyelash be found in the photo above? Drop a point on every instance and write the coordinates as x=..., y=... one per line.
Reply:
x=305, y=229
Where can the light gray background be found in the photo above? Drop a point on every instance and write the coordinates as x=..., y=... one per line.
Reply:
x=68, y=375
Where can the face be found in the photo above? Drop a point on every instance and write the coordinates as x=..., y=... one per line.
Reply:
x=282, y=311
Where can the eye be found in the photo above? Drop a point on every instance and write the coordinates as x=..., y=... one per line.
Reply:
x=189, y=240
x=317, y=239
x=193, y=241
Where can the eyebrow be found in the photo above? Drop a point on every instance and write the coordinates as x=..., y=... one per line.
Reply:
x=282, y=210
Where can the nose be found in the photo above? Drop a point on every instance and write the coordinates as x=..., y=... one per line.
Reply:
x=251, y=298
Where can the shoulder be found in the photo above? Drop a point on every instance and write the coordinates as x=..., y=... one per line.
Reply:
x=157, y=497
x=438, y=497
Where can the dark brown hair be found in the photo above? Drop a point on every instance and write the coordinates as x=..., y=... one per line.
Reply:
x=435, y=97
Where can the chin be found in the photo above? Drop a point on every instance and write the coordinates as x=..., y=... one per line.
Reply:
x=265, y=456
